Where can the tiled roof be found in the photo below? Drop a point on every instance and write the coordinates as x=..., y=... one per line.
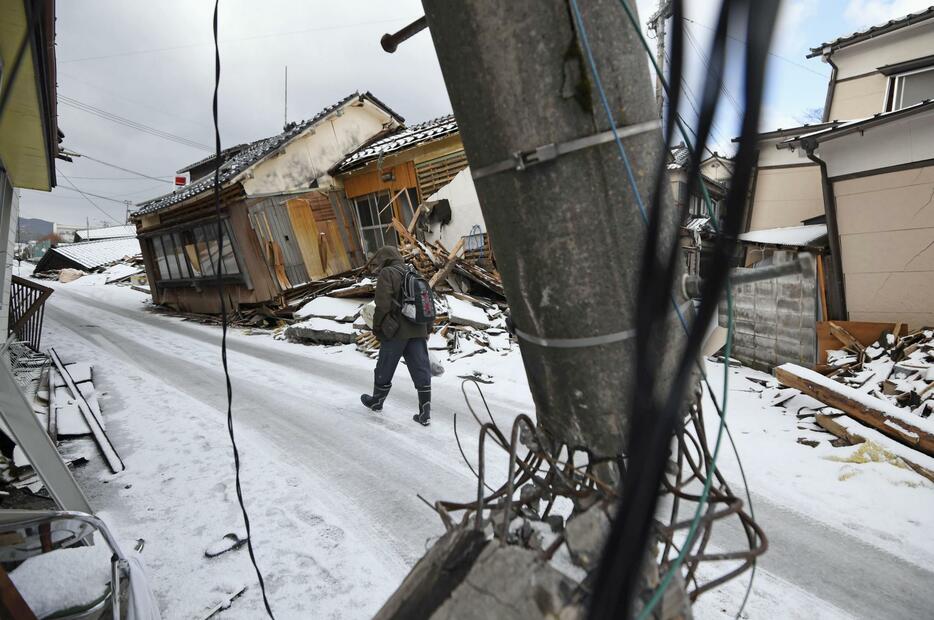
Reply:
x=250, y=155
x=111, y=232
x=93, y=254
x=874, y=31
x=403, y=138
x=680, y=156
x=225, y=153
x=698, y=224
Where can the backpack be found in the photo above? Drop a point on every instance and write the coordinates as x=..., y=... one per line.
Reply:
x=417, y=300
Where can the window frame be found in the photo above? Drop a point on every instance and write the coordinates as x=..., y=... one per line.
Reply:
x=168, y=248
x=893, y=87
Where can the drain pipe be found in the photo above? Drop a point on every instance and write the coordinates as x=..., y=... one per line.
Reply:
x=833, y=232
x=831, y=87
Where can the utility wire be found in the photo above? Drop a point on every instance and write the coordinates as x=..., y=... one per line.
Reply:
x=220, y=292
x=87, y=197
x=105, y=163
x=779, y=56
x=696, y=47
x=120, y=120
x=236, y=39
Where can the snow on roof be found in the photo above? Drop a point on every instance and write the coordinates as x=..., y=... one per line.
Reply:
x=873, y=31
x=252, y=154
x=805, y=236
x=403, y=138
x=110, y=232
x=93, y=254
x=698, y=224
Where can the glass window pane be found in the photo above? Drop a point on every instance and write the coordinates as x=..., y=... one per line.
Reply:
x=915, y=88
x=159, y=253
x=183, y=269
x=204, y=258
x=363, y=210
x=171, y=262
x=385, y=208
x=230, y=261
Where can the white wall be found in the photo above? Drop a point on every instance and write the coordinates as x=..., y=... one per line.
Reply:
x=311, y=155
x=9, y=215
x=465, y=210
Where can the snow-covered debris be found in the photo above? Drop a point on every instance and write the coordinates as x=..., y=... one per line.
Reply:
x=63, y=579
x=321, y=331
x=336, y=308
x=465, y=313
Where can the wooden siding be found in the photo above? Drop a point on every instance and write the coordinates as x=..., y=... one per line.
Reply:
x=436, y=173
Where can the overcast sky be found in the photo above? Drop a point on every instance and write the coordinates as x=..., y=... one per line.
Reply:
x=152, y=62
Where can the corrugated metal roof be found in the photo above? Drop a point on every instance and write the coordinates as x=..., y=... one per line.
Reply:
x=251, y=155
x=800, y=236
x=110, y=232
x=403, y=138
x=93, y=254
x=878, y=30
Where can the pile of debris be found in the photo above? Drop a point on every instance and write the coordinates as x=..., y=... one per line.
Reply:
x=66, y=403
x=470, y=305
x=127, y=270
x=881, y=396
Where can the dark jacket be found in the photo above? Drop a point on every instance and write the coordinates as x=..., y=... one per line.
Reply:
x=388, y=322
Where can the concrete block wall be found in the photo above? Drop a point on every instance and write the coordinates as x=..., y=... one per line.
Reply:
x=774, y=321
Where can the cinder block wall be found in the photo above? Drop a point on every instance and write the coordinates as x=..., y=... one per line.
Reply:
x=774, y=321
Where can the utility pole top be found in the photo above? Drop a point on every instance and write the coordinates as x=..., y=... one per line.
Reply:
x=656, y=24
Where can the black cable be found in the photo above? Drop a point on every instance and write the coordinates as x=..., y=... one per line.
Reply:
x=655, y=415
x=110, y=165
x=87, y=197
x=220, y=290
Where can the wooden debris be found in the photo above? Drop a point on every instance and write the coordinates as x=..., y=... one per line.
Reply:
x=878, y=414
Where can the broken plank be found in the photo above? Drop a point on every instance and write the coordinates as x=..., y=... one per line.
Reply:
x=874, y=412
x=855, y=433
x=100, y=437
x=448, y=266
x=845, y=337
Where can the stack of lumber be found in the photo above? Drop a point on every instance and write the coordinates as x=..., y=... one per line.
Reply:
x=882, y=393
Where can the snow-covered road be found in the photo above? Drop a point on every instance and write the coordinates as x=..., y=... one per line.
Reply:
x=332, y=487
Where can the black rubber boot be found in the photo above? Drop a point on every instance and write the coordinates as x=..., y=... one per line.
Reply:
x=375, y=402
x=423, y=416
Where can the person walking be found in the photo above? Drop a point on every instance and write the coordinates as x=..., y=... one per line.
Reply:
x=398, y=337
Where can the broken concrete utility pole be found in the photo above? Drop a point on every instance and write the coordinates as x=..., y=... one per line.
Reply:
x=562, y=215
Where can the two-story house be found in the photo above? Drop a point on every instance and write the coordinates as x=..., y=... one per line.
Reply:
x=867, y=172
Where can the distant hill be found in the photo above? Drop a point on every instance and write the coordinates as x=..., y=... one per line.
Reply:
x=31, y=228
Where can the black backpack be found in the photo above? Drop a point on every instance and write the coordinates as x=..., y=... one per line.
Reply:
x=417, y=300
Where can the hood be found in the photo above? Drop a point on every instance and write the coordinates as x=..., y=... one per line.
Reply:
x=386, y=256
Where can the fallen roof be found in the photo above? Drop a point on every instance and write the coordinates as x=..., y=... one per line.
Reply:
x=110, y=232
x=872, y=32
x=401, y=139
x=813, y=235
x=252, y=154
x=93, y=254
x=848, y=127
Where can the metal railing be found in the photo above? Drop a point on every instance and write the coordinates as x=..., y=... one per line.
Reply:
x=27, y=308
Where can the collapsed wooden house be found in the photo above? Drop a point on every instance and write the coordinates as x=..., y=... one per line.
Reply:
x=298, y=207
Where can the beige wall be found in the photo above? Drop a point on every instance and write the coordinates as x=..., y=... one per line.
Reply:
x=900, y=46
x=858, y=98
x=886, y=224
x=786, y=196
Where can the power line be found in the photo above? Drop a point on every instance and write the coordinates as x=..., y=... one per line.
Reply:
x=110, y=178
x=87, y=197
x=706, y=61
x=252, y=38
x=779, y=56
x=112, y=198
x=120, y=120
x=140, y=174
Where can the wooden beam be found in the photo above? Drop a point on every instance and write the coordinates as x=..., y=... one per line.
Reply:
x=845, y=337
x=878, y=414
x=100, y=437
x=11, y=601
x=858, y=435
x=448, y=266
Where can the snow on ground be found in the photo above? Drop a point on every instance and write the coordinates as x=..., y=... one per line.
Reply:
x=878, y=502
x=331, y=488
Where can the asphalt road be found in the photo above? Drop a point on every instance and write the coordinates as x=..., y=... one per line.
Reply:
x=379, y=488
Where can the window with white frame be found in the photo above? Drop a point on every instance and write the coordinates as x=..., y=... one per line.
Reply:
x=909, y=88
